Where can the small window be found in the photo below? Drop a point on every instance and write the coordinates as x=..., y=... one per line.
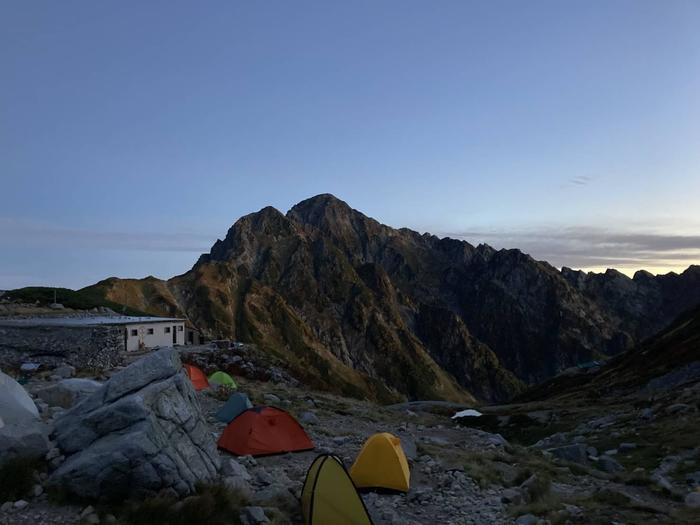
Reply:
x=180, y=328
x=134, y=332
x=150, y=331
x=167, y=329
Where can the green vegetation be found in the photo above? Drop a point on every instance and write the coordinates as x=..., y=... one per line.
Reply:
x=213, y=504
x=84, y=299
x=17, y=478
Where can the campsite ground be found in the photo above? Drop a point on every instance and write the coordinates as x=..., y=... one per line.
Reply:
x=577, y=462
x=466, y=475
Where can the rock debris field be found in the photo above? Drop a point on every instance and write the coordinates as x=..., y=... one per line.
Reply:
x=143, y=431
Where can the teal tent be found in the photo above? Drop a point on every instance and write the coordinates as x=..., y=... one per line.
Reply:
x=236, y=404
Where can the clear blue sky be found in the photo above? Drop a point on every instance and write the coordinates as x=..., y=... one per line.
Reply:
x=133, y=134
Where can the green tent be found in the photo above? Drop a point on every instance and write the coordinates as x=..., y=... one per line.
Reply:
x=222, y=379
x=236, y=405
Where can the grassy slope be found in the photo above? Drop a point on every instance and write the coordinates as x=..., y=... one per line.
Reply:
x=84, y=299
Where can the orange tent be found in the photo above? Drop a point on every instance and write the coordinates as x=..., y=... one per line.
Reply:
x=198, y=378
x=264, y=430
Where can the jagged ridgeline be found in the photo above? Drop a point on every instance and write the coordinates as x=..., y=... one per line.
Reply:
x=355, y=306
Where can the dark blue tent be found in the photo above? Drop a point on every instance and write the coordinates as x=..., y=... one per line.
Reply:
x=235, y=405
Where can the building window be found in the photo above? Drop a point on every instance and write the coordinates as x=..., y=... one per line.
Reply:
x=180, y=328
x=167, y=329
x=150, y=331
x=134, y=332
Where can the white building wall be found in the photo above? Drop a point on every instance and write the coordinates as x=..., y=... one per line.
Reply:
x=162, y=335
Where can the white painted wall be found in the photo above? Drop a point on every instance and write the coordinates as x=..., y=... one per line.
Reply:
x=159, y=337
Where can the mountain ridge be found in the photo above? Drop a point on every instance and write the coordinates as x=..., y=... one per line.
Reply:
x=400, y=313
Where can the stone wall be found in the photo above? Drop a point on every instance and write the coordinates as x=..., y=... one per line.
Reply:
x=83, y=347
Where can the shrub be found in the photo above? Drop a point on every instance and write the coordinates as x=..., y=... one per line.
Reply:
x=17, y=478
x=212, y=504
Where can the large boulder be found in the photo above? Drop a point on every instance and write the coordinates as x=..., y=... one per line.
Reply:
x=22, y=434
x=141, y=432
x=16, y=405
x=67, y=392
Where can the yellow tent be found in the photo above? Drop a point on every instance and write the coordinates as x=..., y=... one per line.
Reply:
x=381, y=464
x=329, y=497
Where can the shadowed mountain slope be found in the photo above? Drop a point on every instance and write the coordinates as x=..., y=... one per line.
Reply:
x=360, y=307
x=665, y=361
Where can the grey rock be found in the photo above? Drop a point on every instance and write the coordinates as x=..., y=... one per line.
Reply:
x=272, y=399
x=141, y=432
x=529, y=486
x=231, y=467
x=24, y=439
x=263, y=477
x=277, y=494
x=604, y=421
x=408, y=444
x=692, y=500
x=67, y=392
x=626, y=447
x=20, y=504
x=512, y=496
x=57, y=461
x=253, y=516
x=248, y=461
x=574, y=453
x=64, y=371
x=526, y=519
x=679, y=408
x=646, y=413
x=693, y=479
x=90, y=519
x=6, y=507
x=309, y=418
x=608, y=464
x=238, y=484
x=540, y=416
x=662, y=482
x=551, y=441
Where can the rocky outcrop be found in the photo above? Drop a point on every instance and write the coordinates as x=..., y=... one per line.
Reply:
x=141, y=432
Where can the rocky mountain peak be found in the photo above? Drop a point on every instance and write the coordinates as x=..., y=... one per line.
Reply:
x=359, y=306
x=325, y=212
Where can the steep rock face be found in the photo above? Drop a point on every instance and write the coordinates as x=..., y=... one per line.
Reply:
x=366, y=309
x=668, y=361
x=141, y=432
x=644, y=304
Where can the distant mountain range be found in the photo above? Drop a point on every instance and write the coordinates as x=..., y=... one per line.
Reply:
x=358, y=307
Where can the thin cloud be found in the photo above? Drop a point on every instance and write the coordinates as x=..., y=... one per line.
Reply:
x=25, y=232
x=581, y=247
x=581, y=180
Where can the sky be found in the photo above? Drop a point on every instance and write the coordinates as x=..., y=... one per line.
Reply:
x=133, y=134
